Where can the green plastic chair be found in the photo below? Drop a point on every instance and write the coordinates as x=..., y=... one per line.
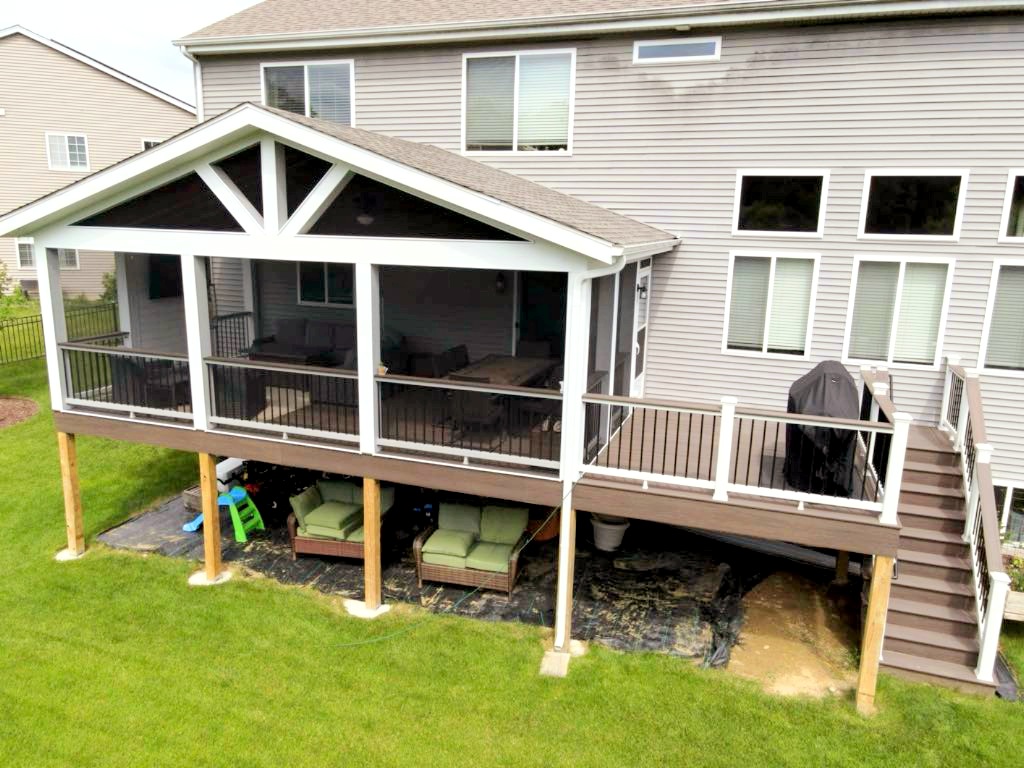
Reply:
x=245, y=518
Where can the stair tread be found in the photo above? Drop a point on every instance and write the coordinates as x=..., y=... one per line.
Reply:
x=918, y=608
x=927, y=466
x=928, y=558
x=922, y=438
x=928, y=637
x=931, y=490
x=934, y=667
x=925, y=510
x=947, y=537
x=913, y=581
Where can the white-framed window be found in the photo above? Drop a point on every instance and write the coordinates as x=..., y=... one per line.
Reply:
x=778, y=202
x=67, y=258
x=1010, y=506
x=770, y=303
x=1011, y=228
x=1002, y=338
x=150, y=143
x=320, y=284
x=913, y=204
x=677, y=50
x=26, y=253
x=321, y=89
x=897, y=310
x=518, y=102
x=67, y=151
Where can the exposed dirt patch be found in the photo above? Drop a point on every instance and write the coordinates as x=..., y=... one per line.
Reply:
x=16, y=409
x=798, y=637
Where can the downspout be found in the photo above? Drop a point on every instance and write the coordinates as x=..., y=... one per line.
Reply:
x=197, y=83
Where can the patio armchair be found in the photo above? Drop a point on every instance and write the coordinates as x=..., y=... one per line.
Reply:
x=473, y=547
x=327, y=519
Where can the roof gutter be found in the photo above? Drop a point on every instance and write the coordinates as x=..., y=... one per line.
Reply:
x=742, y=13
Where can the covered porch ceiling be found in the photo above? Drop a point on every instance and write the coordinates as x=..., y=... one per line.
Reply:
x=260, y=183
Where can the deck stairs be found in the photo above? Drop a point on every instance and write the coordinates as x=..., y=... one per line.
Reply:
x=931, y=631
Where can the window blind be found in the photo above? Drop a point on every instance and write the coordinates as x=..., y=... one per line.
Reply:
x=286, y=88
x=490, y=102
x=1006, y=329
x=873, y=308
x=330, y=92
x=748, y=302
x=26, y=255
x=791, y=302
x=544, y=101
x=917, y=328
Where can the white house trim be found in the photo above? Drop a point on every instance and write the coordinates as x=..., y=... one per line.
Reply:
x=964, y=175
x=997, y=267
x=801, y=172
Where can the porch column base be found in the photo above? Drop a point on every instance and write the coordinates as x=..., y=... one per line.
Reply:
x=555, y=664
x=200, y=579
x=361, y=610
x=67, y=555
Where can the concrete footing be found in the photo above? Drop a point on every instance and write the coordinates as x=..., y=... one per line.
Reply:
x=358, y=609
x=67, y=555
x=199, y=579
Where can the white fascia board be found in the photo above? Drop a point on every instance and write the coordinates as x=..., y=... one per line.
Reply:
x=99, y=65
x=650, y=249
x=726, y=14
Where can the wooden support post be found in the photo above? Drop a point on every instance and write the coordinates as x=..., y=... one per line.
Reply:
x=874, y=632
x=842, y=567
x=566, y=570
x=72, y=496
x=371, y=542
x=211, y=517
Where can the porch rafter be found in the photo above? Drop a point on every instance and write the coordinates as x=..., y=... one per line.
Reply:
x=317, y=201
x=231, y=197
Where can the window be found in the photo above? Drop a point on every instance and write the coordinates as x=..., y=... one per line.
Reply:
x=149, y=143
x=897, y=311
x=770, y=304
x=1013, y=208
x=519, y=102
x=772, y=202
x=67, y=258
x=26, y=255
x=1010, y=505
x=678, y=50
x=67, y=152
x=323, y=90
x=1003, y=337
x=332, y=284
x=913, y=204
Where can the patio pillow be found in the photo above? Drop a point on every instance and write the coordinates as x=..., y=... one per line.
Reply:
x=290, y=330
x=503, y=525
x=459, y=517
x=454, y=543
x=340, y=490
x=305, y=503
x=334, y=514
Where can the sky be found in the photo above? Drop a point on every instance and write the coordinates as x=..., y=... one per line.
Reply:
x=133, y=36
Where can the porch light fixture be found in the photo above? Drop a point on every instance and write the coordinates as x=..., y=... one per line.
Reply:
x=499, y=283
x=642, y=292
x=364, y=219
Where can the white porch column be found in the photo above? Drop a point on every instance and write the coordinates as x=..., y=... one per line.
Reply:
x=124, y=307
x=368, y=352
x=275, y=206
x=55, y=331
x=197, y=332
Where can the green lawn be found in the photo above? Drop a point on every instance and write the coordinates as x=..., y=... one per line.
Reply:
x=114, y=660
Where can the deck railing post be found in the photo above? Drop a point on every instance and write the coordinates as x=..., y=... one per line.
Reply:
x=894, y=471
x=947, y=388
x=722, y=465
x=998, y=591
x=982, y=455
x=964, y=415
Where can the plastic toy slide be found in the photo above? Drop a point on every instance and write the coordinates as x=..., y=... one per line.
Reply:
x=194, y=525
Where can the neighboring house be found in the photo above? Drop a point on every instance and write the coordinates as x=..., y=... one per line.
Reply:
x=667, y=211
x=64, y=115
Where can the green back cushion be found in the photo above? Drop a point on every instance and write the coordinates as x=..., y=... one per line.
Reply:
x=305, y=503
x=486, y=556
x=503, y=525
x=459, y=517
x=387, y=498
x=339, y=490
x=448, y=542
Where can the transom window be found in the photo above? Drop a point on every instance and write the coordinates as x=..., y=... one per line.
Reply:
x=26, y=255
x=897, y=311
x=1013, y=209
x=520, y=102
x=67, y=152
x=772, y=202
x=770, y=304
x=913, y=204
x=323, y=90
x=1003, y=343
x=330, y=284
x=680, y=49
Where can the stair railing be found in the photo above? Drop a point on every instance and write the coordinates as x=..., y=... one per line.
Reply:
x=963, y=418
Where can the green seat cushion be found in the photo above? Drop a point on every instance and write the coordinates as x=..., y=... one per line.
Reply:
x=356, y=534
x=322, y=532
x=503, y=525
x=334, y=514
x=459, y=517
x=305, y=503
x=487, y=556
x=450, y=560
x=340, y=490
x=454, y=543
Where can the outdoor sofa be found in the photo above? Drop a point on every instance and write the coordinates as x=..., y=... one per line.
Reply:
x=327, y=519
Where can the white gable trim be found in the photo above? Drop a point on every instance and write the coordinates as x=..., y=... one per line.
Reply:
x=129, y=178
x=98, y=65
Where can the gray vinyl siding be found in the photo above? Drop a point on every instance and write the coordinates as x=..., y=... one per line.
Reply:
x=226, y=277
x=662, y=143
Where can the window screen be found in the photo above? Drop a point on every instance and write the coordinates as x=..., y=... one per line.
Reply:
x=770, y=304
x=490, y=103
x=912, y=205
x=323, y=91
x=682, y=49
x=286, y=88
x=1005, y=348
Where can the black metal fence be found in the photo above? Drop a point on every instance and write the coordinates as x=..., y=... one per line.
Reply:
x=21, y=338
x=231, y=335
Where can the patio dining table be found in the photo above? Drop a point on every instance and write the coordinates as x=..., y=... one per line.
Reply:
x=508, y=370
